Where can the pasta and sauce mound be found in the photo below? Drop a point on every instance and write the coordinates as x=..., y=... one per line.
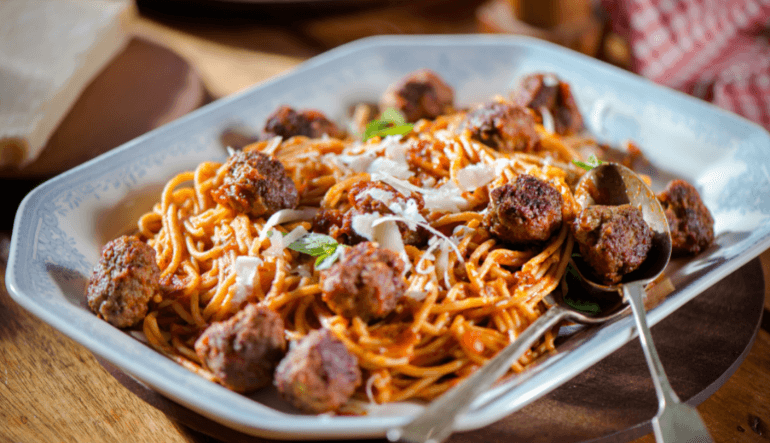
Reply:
x=384, y=270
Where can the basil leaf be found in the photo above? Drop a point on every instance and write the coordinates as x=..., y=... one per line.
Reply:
x=314, y=244
x=391, y=122
x=589, y=164
x=326, y=261
x=583, y=306
x=394, y=116
x=324, y=248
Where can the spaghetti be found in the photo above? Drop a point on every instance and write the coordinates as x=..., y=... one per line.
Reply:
x=468, y=295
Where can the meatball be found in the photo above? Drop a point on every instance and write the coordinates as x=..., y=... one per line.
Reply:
x=527, y=211
x=548, y=91
x=366, y=282
x=243, y=351
x=613, y=240
x=256, y=184
x=287, y=123
x=367, y=197
x=123, y=281
x=690, y=222
x=421, y=94
x=503, y=126
x=319, y=374
x=329, y=221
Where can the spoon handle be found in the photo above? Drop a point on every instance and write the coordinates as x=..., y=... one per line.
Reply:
x=634, y=292
x=675, y=421
x=436, y=423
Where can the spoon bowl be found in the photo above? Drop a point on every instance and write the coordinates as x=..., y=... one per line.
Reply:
x=612, y=184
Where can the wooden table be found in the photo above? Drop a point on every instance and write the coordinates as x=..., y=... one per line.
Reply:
x=52, y=389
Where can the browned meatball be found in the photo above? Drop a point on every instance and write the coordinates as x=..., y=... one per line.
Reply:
x=690, y=222
x=548, y=91
x=527, y=211
x=367, y=197
x=329, y=221
x=256, y=184
x=287, y=123
x=243, y=351
x=319, y=374
x=366, y=282
x=123, y=281
x=613, y=240
x=421, y=94
x=503, y=126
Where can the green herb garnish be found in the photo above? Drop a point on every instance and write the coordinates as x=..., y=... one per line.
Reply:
x=588, y=307
x=589, y=164
x=324, y=248
x=572, y=271
x=391, y=122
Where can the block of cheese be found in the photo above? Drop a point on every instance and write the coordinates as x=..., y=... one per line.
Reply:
x=49, y=51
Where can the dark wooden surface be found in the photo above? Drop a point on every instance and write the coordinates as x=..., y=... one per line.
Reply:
x=54, y=390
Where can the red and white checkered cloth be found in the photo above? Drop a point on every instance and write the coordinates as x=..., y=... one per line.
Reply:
x=717, y=50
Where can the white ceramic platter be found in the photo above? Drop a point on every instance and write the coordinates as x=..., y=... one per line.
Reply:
x=61, y=226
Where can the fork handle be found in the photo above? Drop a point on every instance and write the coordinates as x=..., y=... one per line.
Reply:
x=436, y=423
x=675, y=422
x=634, y=292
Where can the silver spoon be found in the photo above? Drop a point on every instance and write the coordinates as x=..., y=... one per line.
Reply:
x=436, y=422
x=613, y=184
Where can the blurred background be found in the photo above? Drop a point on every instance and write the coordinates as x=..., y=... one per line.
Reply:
x=80, y=77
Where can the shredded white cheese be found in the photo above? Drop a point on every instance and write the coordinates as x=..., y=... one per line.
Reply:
x=294, y=235
x=446, y=198
x=356, y=163
x=416, y=295
x=378, y=194
x=433, y=244
x=391, y=167
x=394, y=149
x=362, y=224
x=548, y=123
x=386, y=233
x=279, y=242
x=276, y=244
x=410, y=211
x=475, y=176
x=286, y=216
x=274, y=143
x=246, y=272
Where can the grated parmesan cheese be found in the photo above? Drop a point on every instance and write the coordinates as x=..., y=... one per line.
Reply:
x=378, y=194
x=447, y=197
x=386, y=233
x=416, y=295
x=279, y=242
x=356, y=163
x=246, y=273
x=286, y=216
x=391, y=167
x=294, y=235
x=276, y=244
x=362, y=224
x=475, y=176
x=548, y=123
